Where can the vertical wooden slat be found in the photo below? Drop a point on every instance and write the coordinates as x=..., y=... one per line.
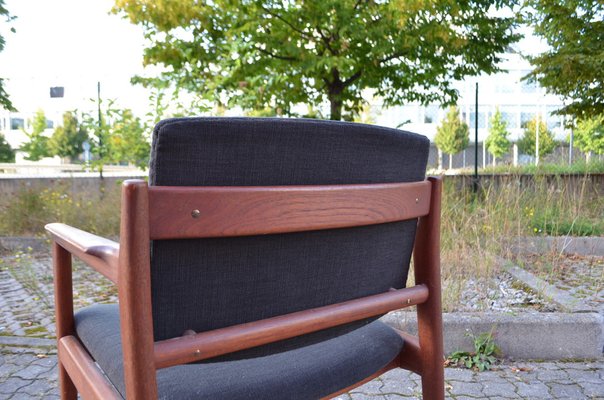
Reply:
x=63, y=312
x=134, y=289
x=426, y=264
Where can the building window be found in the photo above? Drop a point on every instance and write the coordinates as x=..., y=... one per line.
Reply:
x=481, y=120
x=17, y=123
x=525, y=117
x=430, y=114
x=553, y=120
x=510, y=116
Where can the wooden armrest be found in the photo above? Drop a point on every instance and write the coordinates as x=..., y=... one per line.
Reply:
x=99, y=253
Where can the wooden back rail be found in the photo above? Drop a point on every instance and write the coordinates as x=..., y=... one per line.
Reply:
x=200, y=346
x=198, y=212
x=186, y=212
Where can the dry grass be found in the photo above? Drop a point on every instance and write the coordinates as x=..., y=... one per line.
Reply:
x=477, y=229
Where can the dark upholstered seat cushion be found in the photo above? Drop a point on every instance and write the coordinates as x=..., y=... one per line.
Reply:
x=204, y=284
x=310, y=372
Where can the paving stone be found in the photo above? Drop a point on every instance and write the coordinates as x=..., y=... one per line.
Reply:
x=12, y=385
x=372, y=388
x=459, y=374
x=30, y=372
x=466, y=388
x=533, y=390
x=38, y=388
x=553, y=375
x=500, y=388
x=560, y=391
x=592, y=389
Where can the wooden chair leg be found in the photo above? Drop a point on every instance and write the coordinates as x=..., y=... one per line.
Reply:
x=426, y=265
x=431, y=343
x=63, y=313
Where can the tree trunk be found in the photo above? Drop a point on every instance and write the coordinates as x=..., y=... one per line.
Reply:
x=450, y=161
x=440, y=160
x=494, y=162
x=335, y=112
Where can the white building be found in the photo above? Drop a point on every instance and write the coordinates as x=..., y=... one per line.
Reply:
x=518, y=101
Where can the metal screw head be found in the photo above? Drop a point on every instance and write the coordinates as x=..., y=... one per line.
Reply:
x=195, y=213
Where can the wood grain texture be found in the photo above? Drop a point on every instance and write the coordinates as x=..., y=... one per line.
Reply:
x=88, y=378
x=410, y=357
x=426, y=264
x=64, y=320
x=134, y=291
x=193, y=212
x=99, y=253
x=213, y=343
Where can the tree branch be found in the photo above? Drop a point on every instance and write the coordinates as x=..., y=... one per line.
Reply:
x=325, y=40
x=353, y=78
x=391, y=57
x=268, y=53
x=294, y=28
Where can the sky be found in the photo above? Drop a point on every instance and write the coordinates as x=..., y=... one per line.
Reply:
x=70, y=43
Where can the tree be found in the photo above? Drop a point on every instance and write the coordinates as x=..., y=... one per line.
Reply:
x=67, y=140
x=497, y=142
x=258, y=53
x=572, y=66
x=527, y=144
x=589, y=136
x=7, y=154
x=37, y=146
x=128, y=142
x=4, y=99
x=452, y=135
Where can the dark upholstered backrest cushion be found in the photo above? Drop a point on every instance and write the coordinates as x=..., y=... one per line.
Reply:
x=204, y=284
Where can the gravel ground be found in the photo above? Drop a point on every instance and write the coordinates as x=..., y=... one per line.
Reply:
x=580, y=276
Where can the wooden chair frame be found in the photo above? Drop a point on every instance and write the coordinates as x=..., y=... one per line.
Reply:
x=150, y=213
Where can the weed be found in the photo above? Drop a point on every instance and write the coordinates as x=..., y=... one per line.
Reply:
x=484, y=355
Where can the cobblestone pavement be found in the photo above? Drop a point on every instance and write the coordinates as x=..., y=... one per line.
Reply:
x=30, y=373
x=26, y=293
x=28, y=359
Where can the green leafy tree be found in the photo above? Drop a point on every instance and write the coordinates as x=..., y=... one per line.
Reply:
x=573, y=64
x=527, y=144
x=497, y=142
x=128, y=142
x=4, y=99
x=589, y=136
x=67, y=140
x=99, y=132
x=452, y=135
x=7, y=153
x=275, y=54
x=37, y=145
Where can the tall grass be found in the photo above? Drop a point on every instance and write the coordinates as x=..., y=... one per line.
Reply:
x=26, y=213
x=479, y=229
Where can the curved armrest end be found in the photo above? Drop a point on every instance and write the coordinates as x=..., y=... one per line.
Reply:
x=100, y=253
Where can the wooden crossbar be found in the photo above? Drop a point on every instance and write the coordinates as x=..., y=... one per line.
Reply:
x=194, y=212
x=213, y=343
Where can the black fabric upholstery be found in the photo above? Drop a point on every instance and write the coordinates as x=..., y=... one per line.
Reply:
x=205, y=284
x=305, y=373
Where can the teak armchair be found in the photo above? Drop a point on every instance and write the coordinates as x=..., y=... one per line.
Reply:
x=255, y=265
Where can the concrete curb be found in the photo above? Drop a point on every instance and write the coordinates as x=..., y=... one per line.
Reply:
x=545, y=336
x=565, y=300
x=585, y=246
